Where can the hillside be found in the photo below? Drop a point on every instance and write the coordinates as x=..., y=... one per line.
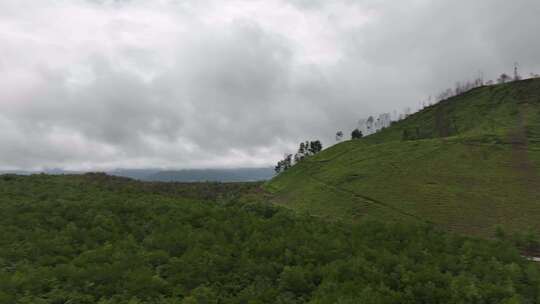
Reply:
x=468, y=163
x=99, y=239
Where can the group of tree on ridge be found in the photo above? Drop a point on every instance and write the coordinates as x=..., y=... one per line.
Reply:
x=309, y=148
x=305, y=149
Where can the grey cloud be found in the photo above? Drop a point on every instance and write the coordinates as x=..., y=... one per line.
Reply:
x=176, y=87
x=446, y=41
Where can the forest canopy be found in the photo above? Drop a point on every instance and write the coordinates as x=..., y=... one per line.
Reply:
x=97, y=239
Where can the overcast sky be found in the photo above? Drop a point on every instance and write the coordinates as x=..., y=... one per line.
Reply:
x=90, y=84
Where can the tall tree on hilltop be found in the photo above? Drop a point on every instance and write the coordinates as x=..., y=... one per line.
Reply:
x=288, y=162
x=315, y=147
x=301, y=154
x=306, y=149
x=356, y=134
x=279, y=167
x=503, y=78
x=339, y=135
x=284, y=164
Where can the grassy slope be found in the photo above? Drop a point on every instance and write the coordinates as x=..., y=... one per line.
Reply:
x=471, y=162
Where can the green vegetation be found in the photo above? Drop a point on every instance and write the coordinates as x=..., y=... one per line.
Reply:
x=305, y=149
x=383, y=205
x=356, y=134
x=469, y=164
x=101, y=239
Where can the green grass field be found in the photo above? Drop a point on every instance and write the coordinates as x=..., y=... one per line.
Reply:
x=469, y=163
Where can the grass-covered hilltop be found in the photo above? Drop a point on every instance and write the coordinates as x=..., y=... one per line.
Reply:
x=469, y=163
x=441, y=207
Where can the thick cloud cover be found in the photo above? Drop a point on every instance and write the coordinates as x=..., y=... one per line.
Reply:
x=207, y=83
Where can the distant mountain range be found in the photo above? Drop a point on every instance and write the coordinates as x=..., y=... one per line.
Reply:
x=199, y=175
x=184, y=175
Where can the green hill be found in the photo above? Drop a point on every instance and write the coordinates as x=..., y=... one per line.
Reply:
x=468, y=163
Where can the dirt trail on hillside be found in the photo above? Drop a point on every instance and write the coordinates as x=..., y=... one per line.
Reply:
x=365, y=199
x=520, y=160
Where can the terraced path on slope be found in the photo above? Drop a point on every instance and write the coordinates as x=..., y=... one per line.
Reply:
x=366, y=199
x=523, y=165
x=520, y=154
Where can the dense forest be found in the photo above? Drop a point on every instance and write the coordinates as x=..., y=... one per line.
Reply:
x=100, y=239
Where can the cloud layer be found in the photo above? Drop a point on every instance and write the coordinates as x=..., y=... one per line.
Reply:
x=184, y=84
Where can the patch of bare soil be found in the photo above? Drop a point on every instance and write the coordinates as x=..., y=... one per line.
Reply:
x=520, y=160
x=442, y=122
